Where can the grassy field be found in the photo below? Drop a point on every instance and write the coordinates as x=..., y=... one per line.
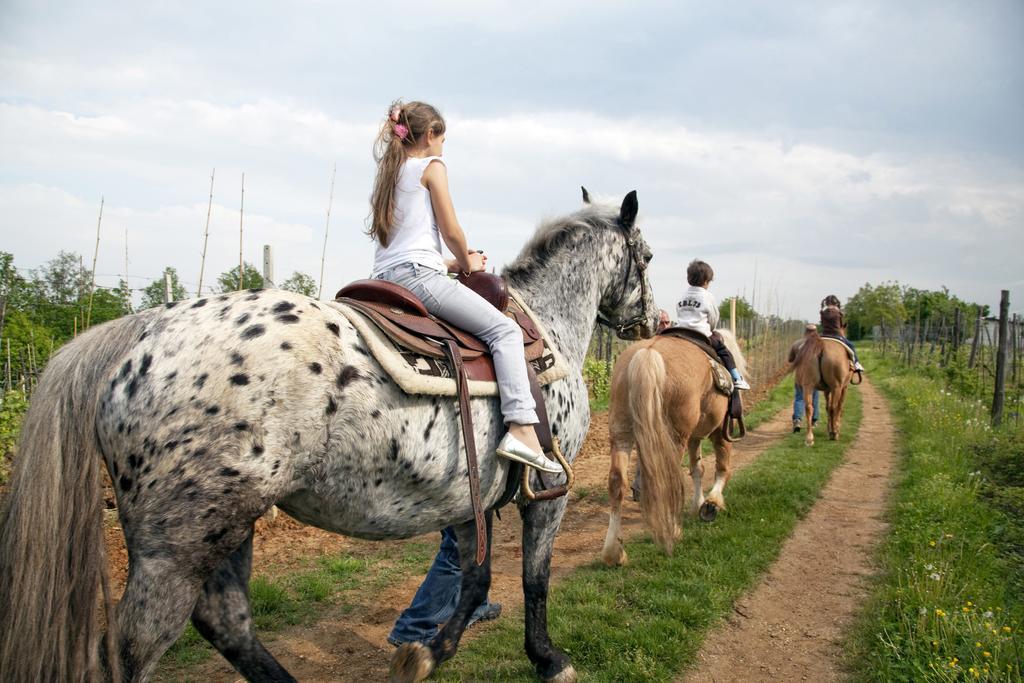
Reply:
x=646, y=621
x=948, y=606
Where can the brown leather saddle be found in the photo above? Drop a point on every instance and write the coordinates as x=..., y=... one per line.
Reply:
x=733, y=427
x=403, y=318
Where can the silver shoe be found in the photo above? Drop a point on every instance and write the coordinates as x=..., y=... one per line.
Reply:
x=512, y=448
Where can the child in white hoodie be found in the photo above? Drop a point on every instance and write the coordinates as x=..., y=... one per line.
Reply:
x=698, y=311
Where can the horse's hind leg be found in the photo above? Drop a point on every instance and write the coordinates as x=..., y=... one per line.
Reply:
x=613, y=553
x=414, y=661
x=696, y=473
x=715, y=501
x=540, y=524
x=153, y=612
x=223, y=616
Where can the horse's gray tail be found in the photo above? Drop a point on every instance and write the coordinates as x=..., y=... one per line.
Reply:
x=52, y=558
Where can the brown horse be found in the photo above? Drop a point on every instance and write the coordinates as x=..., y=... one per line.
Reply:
x=823, y=363
x=663, y=397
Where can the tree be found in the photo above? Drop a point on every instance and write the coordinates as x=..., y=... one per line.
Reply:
x=743, y=309
x=153, y=294
x=872, y=305
x=228, y=280
x=301, y=284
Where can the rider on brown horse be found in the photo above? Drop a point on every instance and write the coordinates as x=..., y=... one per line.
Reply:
x=833, y=324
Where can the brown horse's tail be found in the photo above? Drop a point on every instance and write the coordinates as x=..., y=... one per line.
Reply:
x=805, y=364
x=52, y=558
x=661, y=494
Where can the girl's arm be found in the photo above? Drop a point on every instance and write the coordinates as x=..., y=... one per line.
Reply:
x=435, y=179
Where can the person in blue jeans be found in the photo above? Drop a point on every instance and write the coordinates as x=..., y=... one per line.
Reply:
x=798, y=393
x=799, y=406
x=437, y=597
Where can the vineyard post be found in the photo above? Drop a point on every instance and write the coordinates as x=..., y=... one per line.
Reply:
x=732, y=316
x=974, y=342
x=95, y=254
x=1000, y=393
x=241, y=215
x=168, y=292
x=7, y=386
x=957, y=324
x=327, y=225
x=206, y=236
x=268, y=267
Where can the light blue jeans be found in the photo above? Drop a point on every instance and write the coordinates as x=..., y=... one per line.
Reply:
x=437, y=597
x=799, y=406
x=449, y=300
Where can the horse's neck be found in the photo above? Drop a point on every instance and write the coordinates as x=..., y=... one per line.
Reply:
x=565, y=295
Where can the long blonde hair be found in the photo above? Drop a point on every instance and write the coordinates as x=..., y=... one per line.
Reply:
x=406, y=125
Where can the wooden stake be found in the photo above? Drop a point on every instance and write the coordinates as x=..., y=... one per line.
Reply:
x=95, y=254
x=999, y=396
x=241, y=215
x=206, y=235
x=323, y=255
x=168, y=290
x=976, y=340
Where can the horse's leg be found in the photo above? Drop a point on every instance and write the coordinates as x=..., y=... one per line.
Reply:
x=809, y=414
x=540, y=524
x=840, y=395
x=415, y=661
x=723, y=454
x=830, y=401
x=696, y=473
x=613, y=553
x=223, y=616
x=153, y=612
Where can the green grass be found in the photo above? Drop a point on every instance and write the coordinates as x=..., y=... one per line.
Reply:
x=646, y=621
x=948, y=603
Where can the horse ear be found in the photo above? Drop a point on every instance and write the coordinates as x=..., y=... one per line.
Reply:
x=586, y=195
x=627, y=214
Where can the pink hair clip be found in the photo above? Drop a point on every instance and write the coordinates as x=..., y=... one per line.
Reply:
x=401, y=131
x=395, y=112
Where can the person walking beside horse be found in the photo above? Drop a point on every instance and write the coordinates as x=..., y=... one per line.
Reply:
x=798, y=392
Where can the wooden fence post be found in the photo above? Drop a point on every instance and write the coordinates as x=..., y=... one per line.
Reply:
x=999, y=395
x=974, y=342
x=268, y=267
x=168, y=291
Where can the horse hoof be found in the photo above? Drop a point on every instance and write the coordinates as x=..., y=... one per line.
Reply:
x=566, y=675
x=708, y=511
x=411, y=663
x=832, y=436
x=616, y=559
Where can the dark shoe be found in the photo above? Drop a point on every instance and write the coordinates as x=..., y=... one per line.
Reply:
x=488, y=611
x=636, y=494
x=796, y=427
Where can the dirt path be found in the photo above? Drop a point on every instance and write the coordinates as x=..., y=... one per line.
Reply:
x=349, y=643
x=789, y=627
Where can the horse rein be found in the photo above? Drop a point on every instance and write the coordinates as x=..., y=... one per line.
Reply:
x=633, y=251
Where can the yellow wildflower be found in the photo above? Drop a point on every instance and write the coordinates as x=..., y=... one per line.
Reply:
x=940, y=613
x=931, y=543
x=977, y=644
x=1007, y=629
x=965, y=610
x=986, y=653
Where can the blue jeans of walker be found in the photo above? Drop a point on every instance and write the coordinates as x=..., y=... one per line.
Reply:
x=449, y=300
x=799, y=406
x=436, y=598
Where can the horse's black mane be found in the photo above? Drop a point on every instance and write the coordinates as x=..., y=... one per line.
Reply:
x=552, y=236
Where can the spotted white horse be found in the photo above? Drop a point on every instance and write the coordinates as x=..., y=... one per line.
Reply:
x=207, y=412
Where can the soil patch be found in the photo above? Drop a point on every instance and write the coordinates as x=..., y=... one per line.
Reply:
x=790, y=627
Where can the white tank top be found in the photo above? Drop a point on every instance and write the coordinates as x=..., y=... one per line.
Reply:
x=414, y=235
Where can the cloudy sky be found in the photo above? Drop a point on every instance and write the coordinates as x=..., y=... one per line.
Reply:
x=801, y=149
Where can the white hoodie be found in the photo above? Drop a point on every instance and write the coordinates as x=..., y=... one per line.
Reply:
x=697, y=310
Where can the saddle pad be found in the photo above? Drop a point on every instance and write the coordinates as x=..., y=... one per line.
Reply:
x=421, y=374
x=694, y=337
x=723, y=380
x=834, y=340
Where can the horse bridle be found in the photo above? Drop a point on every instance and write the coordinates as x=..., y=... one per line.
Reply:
x=633, y=251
